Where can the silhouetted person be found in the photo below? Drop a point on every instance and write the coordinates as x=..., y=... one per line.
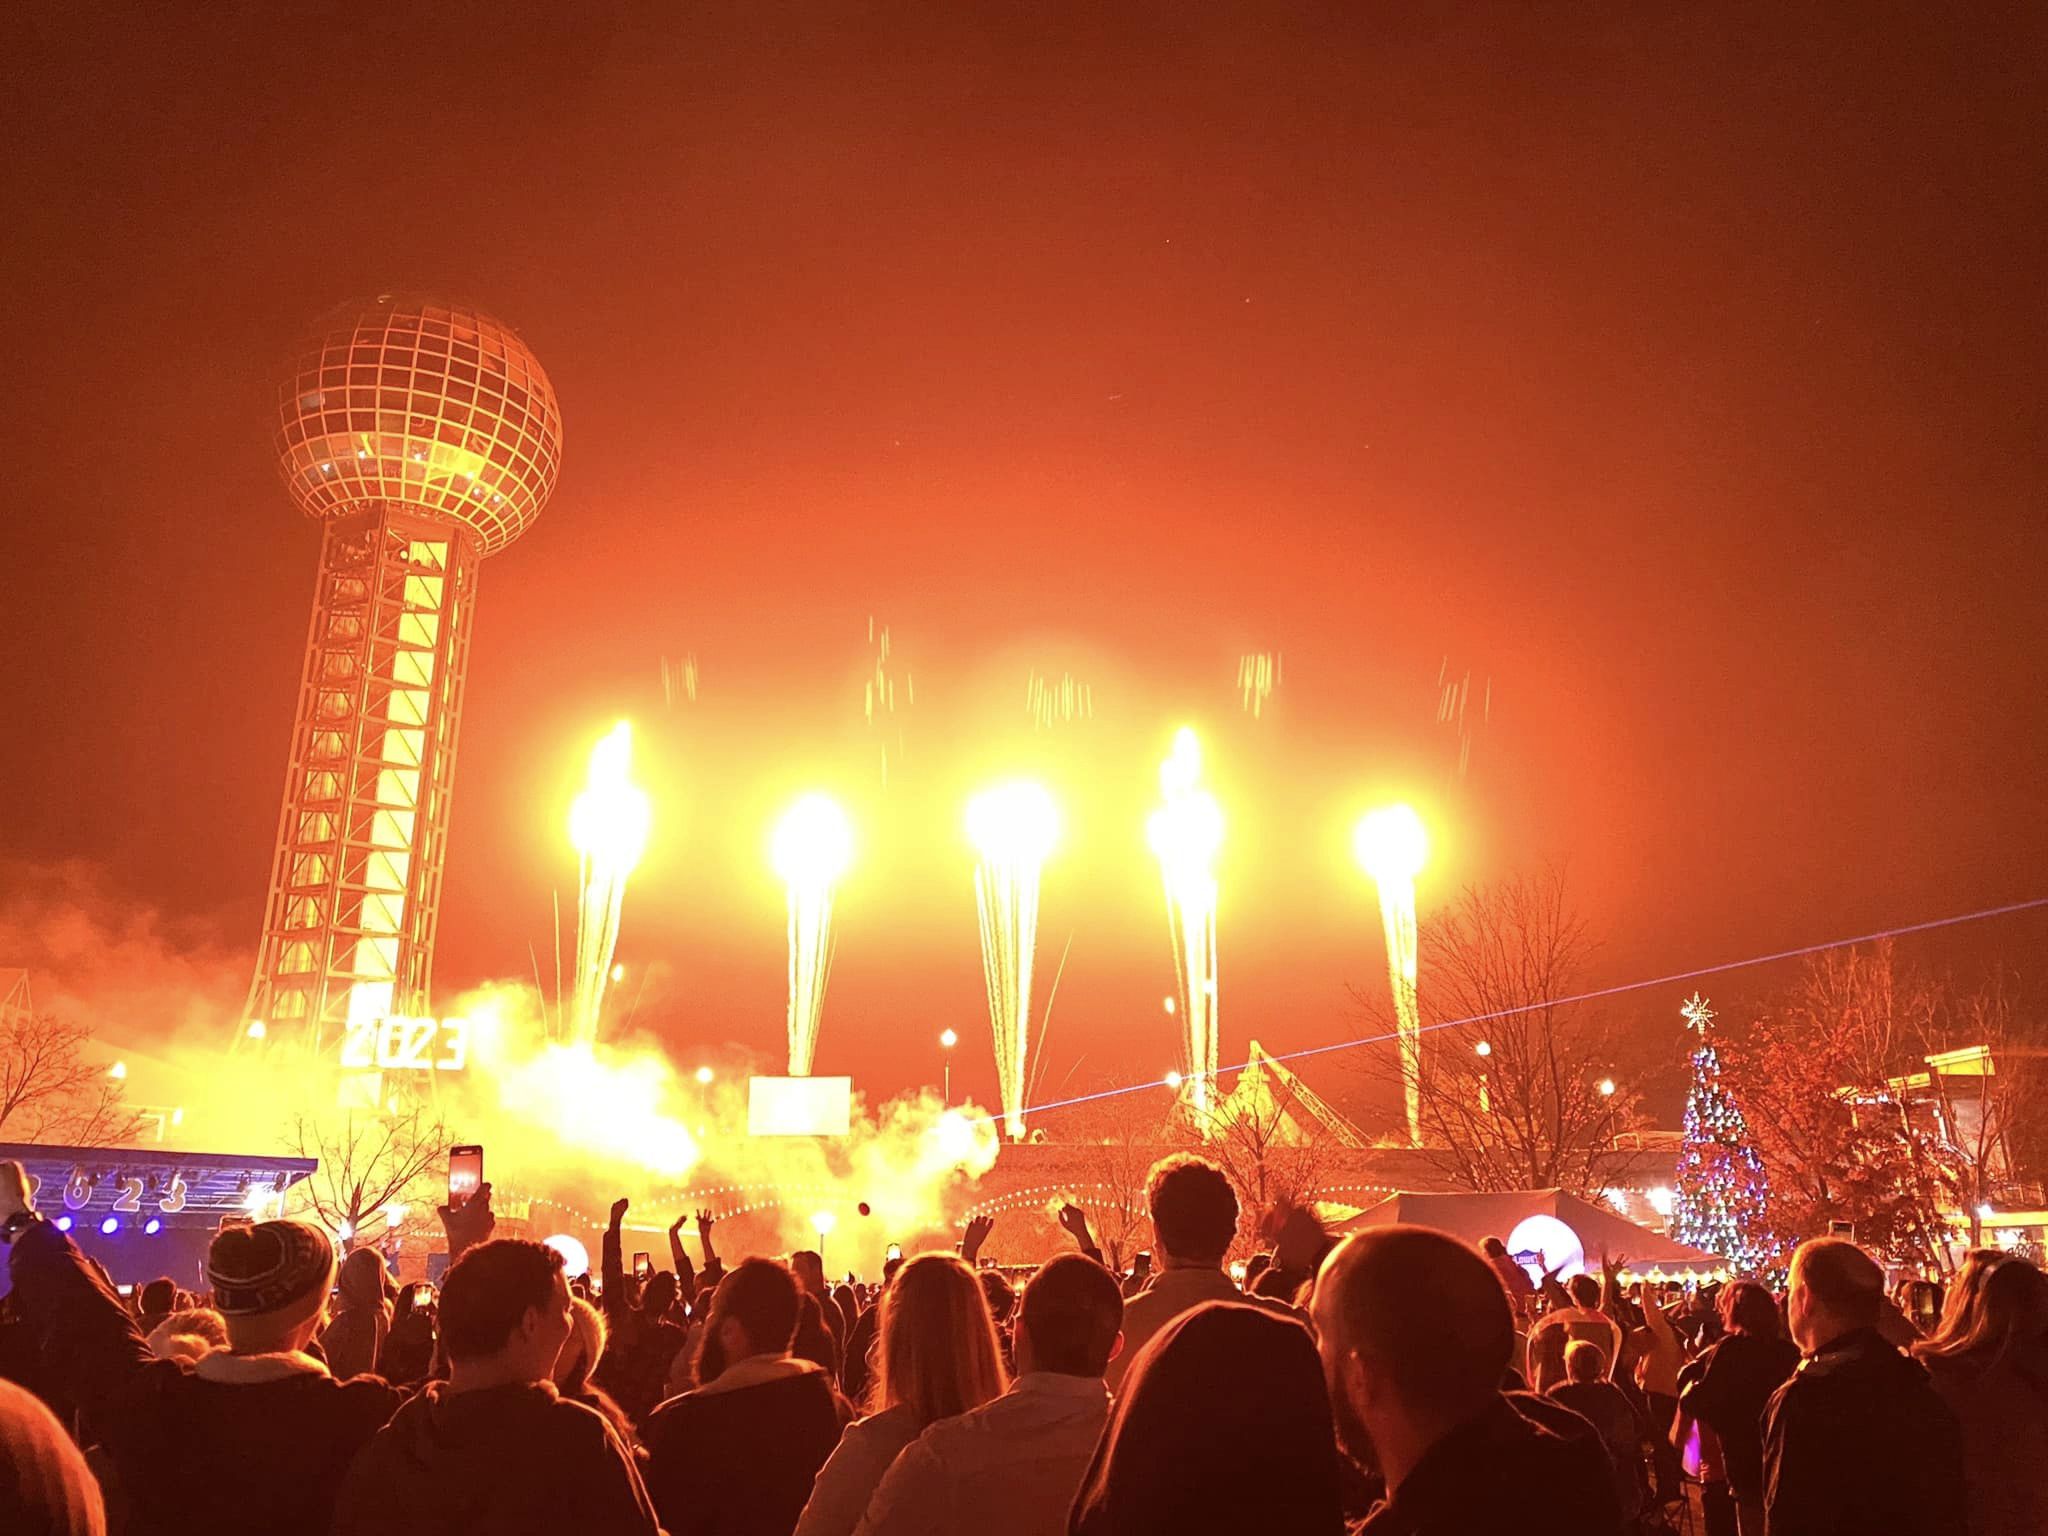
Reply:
x=250, y=1440
x=1194, y=1220
x=495, y=1447
x=1732, y=1386
x=1857, y=1443
x=738, y=1455
x=1222, y=1425
x=1989, y=1362
x=1588, y=1393
x=1416, y=1334
x=1010, y=1467
x=938, y=1358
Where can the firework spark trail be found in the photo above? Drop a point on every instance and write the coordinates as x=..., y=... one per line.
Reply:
x=1259, y=673
x=878, y=692
x=679, y=679
x=1013, y=828
x=1453, y=703
x=1391, y=846
x=1185, y=834
x=608, y=824
x=1050, y=703
x=812, y=848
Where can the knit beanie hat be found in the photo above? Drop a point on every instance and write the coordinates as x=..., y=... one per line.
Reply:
x=272, y=1267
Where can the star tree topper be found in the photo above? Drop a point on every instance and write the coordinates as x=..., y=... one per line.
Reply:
x=1697, y=1014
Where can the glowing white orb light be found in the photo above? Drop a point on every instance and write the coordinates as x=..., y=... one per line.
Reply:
x=575, y=1257
x=1541, y=1244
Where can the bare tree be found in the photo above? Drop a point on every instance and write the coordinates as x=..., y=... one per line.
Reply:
x=1818, y=1076
x=370, y=1163
x=1274, y=1148
x=49, y=1091
x=1115, y=1143
x=1525, y=1095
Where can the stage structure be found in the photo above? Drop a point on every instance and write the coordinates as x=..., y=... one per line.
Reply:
x=424, y=437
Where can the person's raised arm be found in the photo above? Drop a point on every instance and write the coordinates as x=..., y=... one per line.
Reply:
x=686, y=1273
x=713, y=1266
x=59, y=1294
x=978, y=1229
x=1075, y=1220
x=468, y=1224
x=617, y=1304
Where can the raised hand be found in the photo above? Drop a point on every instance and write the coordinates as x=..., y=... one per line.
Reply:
x=675, y=1227
x=619, y=1208
x=470, y=1223
x=1075, y=1221
x=978, y=1229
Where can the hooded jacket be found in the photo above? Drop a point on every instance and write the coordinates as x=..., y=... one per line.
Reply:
x=738, y=1456
x=353, y=1339
x=508, y=1460
x=236, y=1445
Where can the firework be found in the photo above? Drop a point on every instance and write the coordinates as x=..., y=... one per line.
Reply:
x=878, y=692
x=1013, y=828
x=1057, y=701
x=1391, y=847
x=812, y=847
x=608, y=825
x=1185, y=834
x=1258, y=674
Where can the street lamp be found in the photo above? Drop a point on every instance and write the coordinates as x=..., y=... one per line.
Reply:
x=1606, y=1087
x=704, y=1076
x=947, y=1040
x=1483, y=1050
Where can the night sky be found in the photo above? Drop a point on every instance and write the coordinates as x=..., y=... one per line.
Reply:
x=1678, y=374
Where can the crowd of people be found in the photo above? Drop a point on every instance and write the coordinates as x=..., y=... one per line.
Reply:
x=1398, y=1382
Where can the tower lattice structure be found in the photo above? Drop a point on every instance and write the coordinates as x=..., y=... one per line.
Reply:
x=424, y=437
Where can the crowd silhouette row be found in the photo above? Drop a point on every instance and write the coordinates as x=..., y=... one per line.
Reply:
x=1396, y=1381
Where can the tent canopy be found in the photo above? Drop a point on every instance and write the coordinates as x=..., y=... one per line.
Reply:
x=1645, y=1255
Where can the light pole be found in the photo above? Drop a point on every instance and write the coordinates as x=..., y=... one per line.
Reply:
x=947, y=1040
x=1483, y=1050
x=822, y=1223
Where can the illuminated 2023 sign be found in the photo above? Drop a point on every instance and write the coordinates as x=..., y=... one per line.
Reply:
x=402, y=1044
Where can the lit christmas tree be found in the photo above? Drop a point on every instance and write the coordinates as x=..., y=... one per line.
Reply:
x=1722, y=1191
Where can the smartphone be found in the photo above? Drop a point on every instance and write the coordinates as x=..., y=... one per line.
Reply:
x=1142, y=1259
x=465, y=1174
x=893, y=1252
x=125, y=1290
x=643, y=1266
x=423, y=1294
x=233, y=1220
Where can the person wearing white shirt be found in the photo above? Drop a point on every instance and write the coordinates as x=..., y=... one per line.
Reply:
x=1012, y=1466
x=1194, y=1220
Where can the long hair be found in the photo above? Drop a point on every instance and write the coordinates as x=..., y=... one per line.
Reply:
x=939, y=1355
x=578, y=1359
x=1987, y=1309
x=1219, y=1390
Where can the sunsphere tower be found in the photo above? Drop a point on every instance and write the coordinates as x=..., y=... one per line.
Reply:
x=423, y=436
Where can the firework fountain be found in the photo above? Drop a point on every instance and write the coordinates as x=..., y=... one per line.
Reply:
x=1186, y=833
x=1391, y=847
x=608, y=823
x=1013, y=827
x=812, y=848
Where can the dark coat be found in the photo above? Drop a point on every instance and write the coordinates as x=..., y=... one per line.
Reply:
x=514, y=1461
x=1525, y=1465
x=2002, y=1404
x=737, y=1457
x=1729, y=1393
x=1857, y=1443
x=241, y=1445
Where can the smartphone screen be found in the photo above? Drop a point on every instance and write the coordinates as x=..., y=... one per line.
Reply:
x=643, y=1266
x=895, y=1252
x=465, y=1174
x=423, y=1294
